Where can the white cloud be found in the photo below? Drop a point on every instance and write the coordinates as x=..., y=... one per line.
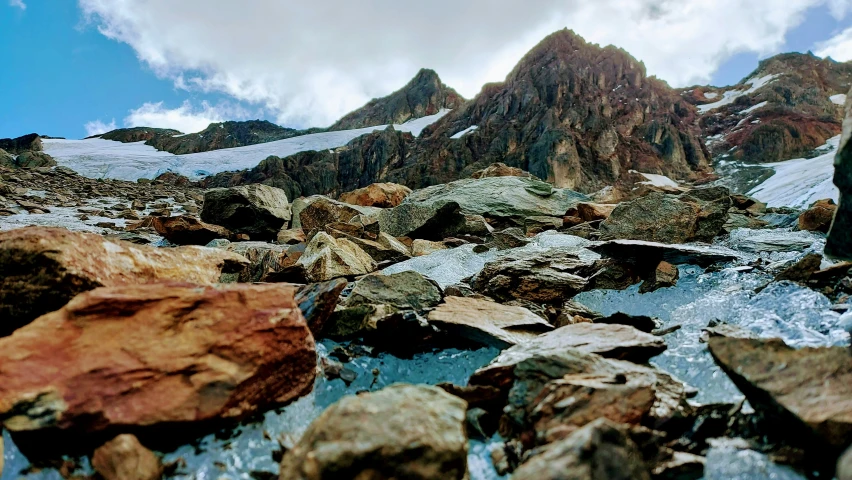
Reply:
x=310, y=62
x=185, y=118
x=97, y=127
x=18, y=4
x=838, y=47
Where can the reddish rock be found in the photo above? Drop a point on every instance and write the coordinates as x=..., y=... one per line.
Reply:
x=589, y=212
x=41, y=269
x=187, y=230
x=664, y=275
x=124, y=458
x=500, y=170
x=159, y=360
x=818, y=217
x=291, y=236
x=382, y=195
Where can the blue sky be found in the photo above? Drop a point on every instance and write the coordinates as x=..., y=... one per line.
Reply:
x=61, y=72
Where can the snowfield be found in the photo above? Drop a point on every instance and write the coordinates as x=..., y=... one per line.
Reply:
x=731, y=95
x=98, y=158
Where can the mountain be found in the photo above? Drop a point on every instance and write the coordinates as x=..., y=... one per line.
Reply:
x=25, y=143
x=790, y=105
x=423, y=95
x=573, y=113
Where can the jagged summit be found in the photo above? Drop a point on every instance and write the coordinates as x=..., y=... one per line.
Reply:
x=424, y=95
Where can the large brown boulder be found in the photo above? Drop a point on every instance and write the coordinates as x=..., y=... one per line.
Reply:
x=160, y=361
x=326, y=258
x=839, y=243
x=488, y=323
x=807, y=392
x=402, y=431
x=41, y=268
x=124, y=458
x=382, y=195
x=259, y=211
x=818, y=217
x=188, y=230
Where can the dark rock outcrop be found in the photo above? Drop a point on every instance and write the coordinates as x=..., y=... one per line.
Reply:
x=137, y=134
x=423, y=95
x=25, y=143
x=258, y=211
x=839, y=243
x=34, y=159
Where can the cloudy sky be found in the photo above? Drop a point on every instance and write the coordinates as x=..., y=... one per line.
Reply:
x=72, y=69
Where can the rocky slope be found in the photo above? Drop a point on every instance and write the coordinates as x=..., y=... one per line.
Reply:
x=25, y=143
x=790, y=105
x=423, y=95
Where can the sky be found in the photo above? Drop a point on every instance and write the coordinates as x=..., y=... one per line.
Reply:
x=78, y=68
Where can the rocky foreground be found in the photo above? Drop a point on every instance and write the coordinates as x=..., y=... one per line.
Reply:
x=483, y=328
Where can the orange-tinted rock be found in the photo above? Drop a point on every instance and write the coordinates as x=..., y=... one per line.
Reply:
x=187, y=230
x=41, y=269
x=158, y=360
x=124, y=458
x=500, y=170
x=383, y=195
x=818, y=217
x=664, y=275
x=590, y=212
x=291, y=236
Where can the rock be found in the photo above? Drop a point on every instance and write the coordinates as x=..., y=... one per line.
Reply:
x=548, y=276
x=377, y=300
x=317, y=302
x=839, y=243
x=187, y=230
x=384, y=249
x=589, y=212
x=34, y=160
x=664, y=275
x=2, y=453
x=162, y=360
x=401, y=431
x=717, y=328
x=504, y=199
x=599, y=451
x=264, y=258
x=772, y=241
x=327, y=258
x=382, y=195
x=537, y=224
x=738, y=220
x=844, y=466
x=124, y=458
x=6, y=159
x=291, y=236
x=806, y=392
x=697, y=215
x=512, y=237
x=682, y=466
x=650, y=254
x=639, y=322
x=818, y=217
x=25, y=143
x=41, y=268
x=500, y=170
x=487, y=323
x=802, y=270
x=320, y=211
x=259, y=211
x=420, y=248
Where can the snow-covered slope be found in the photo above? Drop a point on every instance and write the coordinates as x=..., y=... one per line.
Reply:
x=802, y=181
x=98, y=158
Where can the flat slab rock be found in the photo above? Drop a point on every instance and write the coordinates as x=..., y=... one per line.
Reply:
x=157, y=360
x=488, y=323
x=41, y=269
x=654, y=252
x=809, y=390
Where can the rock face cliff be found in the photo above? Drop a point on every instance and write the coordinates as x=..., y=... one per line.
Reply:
x=791, y=104
x=25, y=143
x=572, y=113
x=423, y=95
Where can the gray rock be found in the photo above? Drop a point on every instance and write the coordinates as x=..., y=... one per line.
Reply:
x=402, y=431
x=260, y=211
x=844, y=466
x=839, y=244
x=34, y=160
x=487, y=322
x=343, y=210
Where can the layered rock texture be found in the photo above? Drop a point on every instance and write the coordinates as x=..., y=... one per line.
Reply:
x=839, y=242
x=423, y=95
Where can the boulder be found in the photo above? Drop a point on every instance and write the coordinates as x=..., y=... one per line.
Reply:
x=384, y=249
x=6, y=159
x=420, y=248
x=839, y=243
x=257, y=210
x=503, y=199
x=188, y=230
x=317, y=302
x=402, y=431
x=34, y=160
x=664, y=275
x=818, y=217
x=650, y=254
x=314, y=213
x=486, y=322
x=124, y=458
x=697, y=215
x=264, y=258
x=381, y=301
x=601, y=450
x=844, y=466
x=163, y=361
x=41, y=268
x=291, y=236
x=806, y=392
x=590, y=212
x=500, y=170
x=327, y=258
x=382, y=195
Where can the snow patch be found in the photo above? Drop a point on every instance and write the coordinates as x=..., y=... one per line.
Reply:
x=731, y=95
x=464, y=132
x=710, y=95
x=839, y=99
x=656, y=180
x=753, y=108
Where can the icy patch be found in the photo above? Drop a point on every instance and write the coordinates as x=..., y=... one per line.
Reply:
x=839, y=99
x=98, y=158
x=445, y=267
x=710, y=95
x=464, y=132
x=725, y=461
x=753, y=108
x=731, y=95
x=760, y=240
x=656, y=180
x=800, y=182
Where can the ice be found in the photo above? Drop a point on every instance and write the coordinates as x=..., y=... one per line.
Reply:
x=753, y=108
x=774, y=240
x=710, y=95
x=800, y=182
x=445, y=267
x=656, y=180
x=464, y=132
x=839, y=99
x=729, y=462
x=98, y=158
x=731, y=95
